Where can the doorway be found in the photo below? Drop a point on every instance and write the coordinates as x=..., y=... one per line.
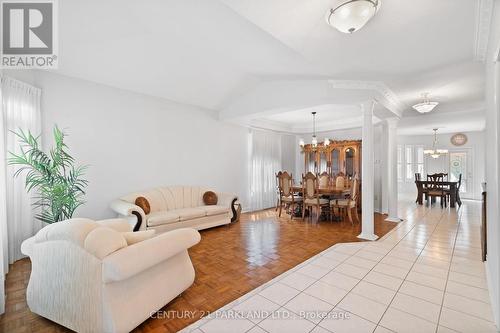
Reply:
x=460, y=162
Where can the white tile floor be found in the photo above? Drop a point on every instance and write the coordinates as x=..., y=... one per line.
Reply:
x=424, y=276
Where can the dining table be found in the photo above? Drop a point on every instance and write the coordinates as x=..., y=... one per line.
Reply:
x=325, y=190
x=330, y=190
x=454, y=195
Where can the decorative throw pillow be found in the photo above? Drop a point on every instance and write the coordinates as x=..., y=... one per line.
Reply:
x=210, y=198
x=138, y=236
x=103, y=241
x=144, y=204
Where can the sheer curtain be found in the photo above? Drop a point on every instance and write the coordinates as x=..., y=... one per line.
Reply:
x=265, y=162
x=20, y=110
x=4, y=263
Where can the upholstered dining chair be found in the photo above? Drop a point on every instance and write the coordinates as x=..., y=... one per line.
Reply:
x=311, y=195
x=278, y=175
x=324, y=179
x=340, y=181
x=349, y=204
x=286, y=194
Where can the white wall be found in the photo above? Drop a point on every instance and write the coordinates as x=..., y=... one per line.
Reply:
x=288, y=156
x=475, y=145
x=492, y=71
x=134, y=142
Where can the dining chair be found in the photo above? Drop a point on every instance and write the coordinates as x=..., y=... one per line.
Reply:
x=436, y=188
x=287, y=196
x=420, y=187
x=278, y=175
x=457, y=196
x=349, y=204
x=340, y=181
x=311, y=195
x=457, y=191
x=324, y=179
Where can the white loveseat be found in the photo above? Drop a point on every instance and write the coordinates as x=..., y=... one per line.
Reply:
x=81, y=282
x=176, y=207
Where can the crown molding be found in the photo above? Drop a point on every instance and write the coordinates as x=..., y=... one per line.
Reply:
x=483, y=24
x=385, y=94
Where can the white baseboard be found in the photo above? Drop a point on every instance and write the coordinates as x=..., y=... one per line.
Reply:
x=371, y=237
x=493, y=291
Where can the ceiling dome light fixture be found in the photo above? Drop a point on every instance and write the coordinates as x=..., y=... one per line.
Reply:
x=352, y=15
x=426, y=105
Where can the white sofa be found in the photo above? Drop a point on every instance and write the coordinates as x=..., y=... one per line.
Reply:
x=76, y=281
x=176, y=207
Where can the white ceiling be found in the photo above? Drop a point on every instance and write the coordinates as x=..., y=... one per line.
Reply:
x=217, y=54
x=328, y=117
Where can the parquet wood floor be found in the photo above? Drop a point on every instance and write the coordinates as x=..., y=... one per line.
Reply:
x=229, y=262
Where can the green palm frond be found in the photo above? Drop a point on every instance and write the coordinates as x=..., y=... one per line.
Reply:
x=58, y=183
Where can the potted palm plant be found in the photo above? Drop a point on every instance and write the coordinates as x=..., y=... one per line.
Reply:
x=59, y=184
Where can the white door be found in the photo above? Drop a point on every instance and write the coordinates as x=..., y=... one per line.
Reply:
x=460, y=163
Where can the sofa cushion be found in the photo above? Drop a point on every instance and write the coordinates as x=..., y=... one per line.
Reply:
x=210, y=198
x=164, y=217
x=215, y=210
x=190, y=213
x=138, y=236
x=74, y=230
x=103, y=241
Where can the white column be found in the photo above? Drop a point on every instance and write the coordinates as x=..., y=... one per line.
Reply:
x=392, y=170
x=384, y=170
x=367, y=171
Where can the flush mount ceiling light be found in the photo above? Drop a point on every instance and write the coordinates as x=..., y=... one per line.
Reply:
x=426, y=105
x=350, y=16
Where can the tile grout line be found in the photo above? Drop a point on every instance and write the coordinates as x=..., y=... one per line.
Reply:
x=391, y=247
x=376, y=324
x=302, y=291
x=448, y=275
x=397, y=291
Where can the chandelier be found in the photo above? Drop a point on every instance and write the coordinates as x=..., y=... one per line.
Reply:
x=434, y=152
x=314, y=140
x=352, y=15
x=426, y=105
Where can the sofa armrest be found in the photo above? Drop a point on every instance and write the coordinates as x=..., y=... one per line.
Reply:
x=27, y=246
x=124, y=208
x=136, y=258
x=228, y=199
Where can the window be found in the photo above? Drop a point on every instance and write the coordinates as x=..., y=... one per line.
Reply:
x=410, y=161
x=420, y=160
x=400, y=163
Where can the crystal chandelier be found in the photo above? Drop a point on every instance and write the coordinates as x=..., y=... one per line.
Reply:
x=352, y=15
x=314, y=140
x=426, y=105
x=434, y=152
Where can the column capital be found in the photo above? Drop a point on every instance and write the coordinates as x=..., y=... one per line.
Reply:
x=368, y=106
